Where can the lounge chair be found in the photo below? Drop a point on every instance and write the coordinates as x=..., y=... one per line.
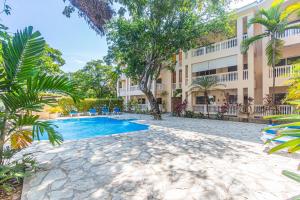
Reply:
x=105, y=111
x=74, y=113
x=268, y=135
x=92, y=112
x=117, y=111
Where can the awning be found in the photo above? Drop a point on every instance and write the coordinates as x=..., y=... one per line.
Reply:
x=215, y=64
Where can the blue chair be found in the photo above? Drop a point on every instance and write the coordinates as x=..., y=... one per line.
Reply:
x=117, y=110
x=92, y=112
x=105, y=110
x=270, y=134
x=74, y=113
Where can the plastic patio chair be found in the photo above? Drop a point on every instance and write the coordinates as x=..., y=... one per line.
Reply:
x=92, y=112
x=74, y=113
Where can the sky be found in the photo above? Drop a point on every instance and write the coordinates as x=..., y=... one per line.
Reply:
x=72, y=36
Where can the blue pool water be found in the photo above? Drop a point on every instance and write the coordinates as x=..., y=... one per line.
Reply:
x=80, y=128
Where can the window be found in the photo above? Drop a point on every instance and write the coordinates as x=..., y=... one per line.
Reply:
x=174, y=77
x=232, y=69
x=282, y=62
x=279, y=97
x=180, y=76
x=186, y=71
x=159, y=100
x=159, y=81
x=142, y=101
x=200, y=100
x=245, y=67
x=205, y=73
x=232, y=99
x=293, y=60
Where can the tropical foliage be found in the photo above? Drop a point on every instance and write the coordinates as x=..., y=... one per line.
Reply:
x=96, y=80
x=204, y=84
x=21, y=85
x=67, y=104
x=147, y=40
x=291, y=123
x=51, y=61
x=276, y=20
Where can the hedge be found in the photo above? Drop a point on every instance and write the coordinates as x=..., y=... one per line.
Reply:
x=67, y=104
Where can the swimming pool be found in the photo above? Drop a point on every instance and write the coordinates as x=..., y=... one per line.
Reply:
x=80, y=128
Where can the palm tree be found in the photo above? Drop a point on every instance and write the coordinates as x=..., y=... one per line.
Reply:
x=276, y=21
x=21, y=86
x=204, y=84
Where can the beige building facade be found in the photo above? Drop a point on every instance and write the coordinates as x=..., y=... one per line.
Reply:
x=242, y=76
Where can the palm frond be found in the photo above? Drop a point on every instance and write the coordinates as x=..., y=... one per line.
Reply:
x=259, y=20
x=289, y=144
x=246, y=43
x=51, y=84
x=21, y=139
x=40, y=128
x=277, y=50
x=21, y=55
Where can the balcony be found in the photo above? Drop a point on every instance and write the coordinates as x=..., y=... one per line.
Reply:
x=134, y=88
x=227, y=44
x=288, y=33
x=223, y=77
x=282, y=72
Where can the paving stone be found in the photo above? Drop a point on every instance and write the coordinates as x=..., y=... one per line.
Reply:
x=176, y=158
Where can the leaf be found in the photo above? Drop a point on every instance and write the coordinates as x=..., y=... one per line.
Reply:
x=291, y=175
x=21, y=55
x=289, y=144
x=21, y=139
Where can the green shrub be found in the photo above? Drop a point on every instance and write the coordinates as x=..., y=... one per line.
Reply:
x=67, y=104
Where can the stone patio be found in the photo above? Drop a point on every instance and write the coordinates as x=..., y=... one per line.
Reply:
x=186, y=159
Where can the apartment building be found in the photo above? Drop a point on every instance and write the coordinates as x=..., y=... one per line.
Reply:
x=242, y=76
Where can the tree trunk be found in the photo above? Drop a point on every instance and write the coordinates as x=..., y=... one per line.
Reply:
x=274, y=71
x=2, y=139
x=206, y=102
x=153, y=104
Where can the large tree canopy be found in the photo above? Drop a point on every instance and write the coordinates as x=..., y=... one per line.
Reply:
x=96, y=80
x=51, y=60
x=155, y=30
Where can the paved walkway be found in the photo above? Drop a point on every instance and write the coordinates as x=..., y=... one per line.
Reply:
x=180, y=159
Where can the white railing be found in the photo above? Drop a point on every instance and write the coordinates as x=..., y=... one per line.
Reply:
x=289, y=33
x=245, y=75
x=227, y=44
x=223, y=77
x=134, y=88
x=261, y=111
x=122, y=89
x=142, y=107
x=214, y=109
x=159, y=87
x=283, y=71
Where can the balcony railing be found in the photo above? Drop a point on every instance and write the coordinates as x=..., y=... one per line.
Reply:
x=214, y=109
x=223, y=77
x=288, y=33
x=134, y=88
x=122, y=90
x=283, y=71
x=227, y=44
x=245, y=74
x=261, y=111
